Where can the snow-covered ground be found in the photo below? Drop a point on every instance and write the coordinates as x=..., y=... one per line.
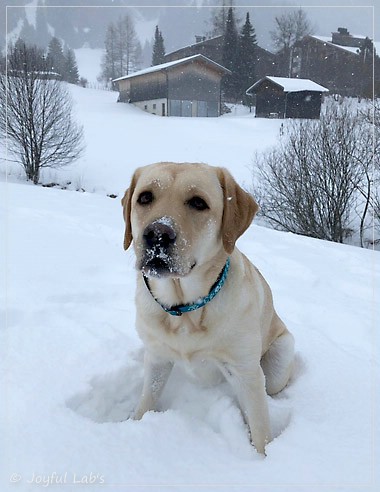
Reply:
x=121, y=137
x=89, y=63
x=71, y=362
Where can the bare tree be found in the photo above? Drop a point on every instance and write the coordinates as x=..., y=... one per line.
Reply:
x=219, y=18
x=130, y=46
x=309, y=184
x=36, y=114
x=109, y=60
x=370, y=188
x=123, y=51
x=290, y=28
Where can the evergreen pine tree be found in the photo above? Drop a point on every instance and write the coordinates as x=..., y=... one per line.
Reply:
x=71, y=74
x=28, y=58
x=2, y=61
x=28, y=33
x=56, y=58
x=137, y=57
x=366, y=67
x=230, y=57
x=158, y=48
x=247, y=58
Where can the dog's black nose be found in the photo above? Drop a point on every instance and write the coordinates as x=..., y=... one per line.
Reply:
x=159, y=234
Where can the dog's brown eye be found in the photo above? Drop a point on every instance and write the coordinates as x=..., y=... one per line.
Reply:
x=197, y=203
x=145, y=198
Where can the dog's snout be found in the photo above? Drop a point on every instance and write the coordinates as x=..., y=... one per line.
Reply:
x=159, y=234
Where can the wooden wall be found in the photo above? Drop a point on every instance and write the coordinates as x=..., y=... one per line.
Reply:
x=194, y=82
x=272, y=101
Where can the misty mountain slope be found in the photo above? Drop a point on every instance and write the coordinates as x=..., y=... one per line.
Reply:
x=179, y=20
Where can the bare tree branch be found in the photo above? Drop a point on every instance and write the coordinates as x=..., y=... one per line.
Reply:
x=36, y=114
x=310, y=183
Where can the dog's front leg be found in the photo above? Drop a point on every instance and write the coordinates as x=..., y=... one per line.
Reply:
x=156, y=373
x=249, y=384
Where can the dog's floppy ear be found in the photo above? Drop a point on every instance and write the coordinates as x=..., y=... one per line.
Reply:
x=126, y=202
x=238, y=211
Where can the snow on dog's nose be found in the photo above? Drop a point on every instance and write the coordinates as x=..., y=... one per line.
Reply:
x=159, y=234
x=159, y=241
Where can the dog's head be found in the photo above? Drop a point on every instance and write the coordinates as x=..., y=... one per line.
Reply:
x=181, y=215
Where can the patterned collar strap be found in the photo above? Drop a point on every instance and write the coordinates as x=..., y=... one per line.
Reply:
x=186, y=308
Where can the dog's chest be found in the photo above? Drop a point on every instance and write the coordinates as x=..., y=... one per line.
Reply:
x=183, y=338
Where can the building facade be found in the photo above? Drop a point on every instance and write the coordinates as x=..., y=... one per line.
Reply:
x=186, y=87
x=265, y=62
x=280, y=97
x=343, y=63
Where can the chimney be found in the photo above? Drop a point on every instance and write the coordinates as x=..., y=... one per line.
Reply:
x=343, y=38
x=343, y=31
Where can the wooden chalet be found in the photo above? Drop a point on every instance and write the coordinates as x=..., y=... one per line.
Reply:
x=280, y=97
x=265, y=61
x=343, y=63
x=210, y=48
x=186, y=87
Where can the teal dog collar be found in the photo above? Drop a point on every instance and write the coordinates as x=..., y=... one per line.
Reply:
x=186, y=308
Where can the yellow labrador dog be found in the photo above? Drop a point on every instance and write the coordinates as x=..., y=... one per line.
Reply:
x=199, y=299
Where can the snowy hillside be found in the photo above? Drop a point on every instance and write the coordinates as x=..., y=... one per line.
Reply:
x=71, y=362
x=71, y=366
x=89, y=60
x=120, y=137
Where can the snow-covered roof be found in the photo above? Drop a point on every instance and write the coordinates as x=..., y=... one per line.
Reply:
x=165, y=66
x=292, y=85
x=327, y=40
x=351, y=49
x=195, y=44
